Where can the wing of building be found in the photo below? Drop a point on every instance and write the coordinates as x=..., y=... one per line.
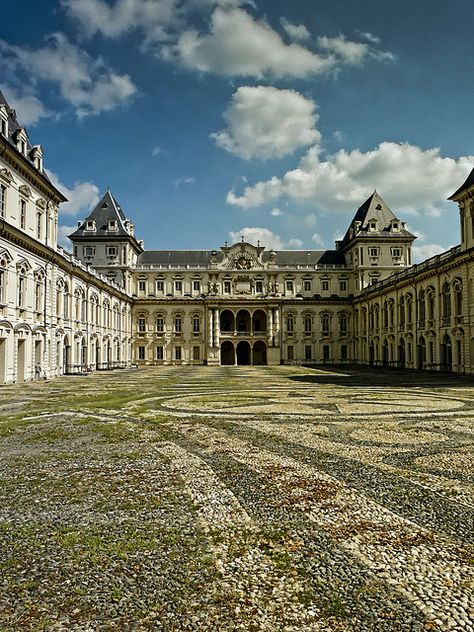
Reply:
x=112, y=303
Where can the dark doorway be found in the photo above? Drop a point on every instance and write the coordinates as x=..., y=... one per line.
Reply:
x=259, y=353
x=243, y=352
x=227, y=353
x=446, y=354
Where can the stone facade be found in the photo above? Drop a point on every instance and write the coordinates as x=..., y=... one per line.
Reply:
x=111, y=303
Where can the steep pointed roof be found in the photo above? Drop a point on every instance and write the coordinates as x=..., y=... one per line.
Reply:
x=106, y=210
x=469, y=182
x=374, y=208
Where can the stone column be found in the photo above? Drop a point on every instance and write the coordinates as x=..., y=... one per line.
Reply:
x=211, y=328
x=216, y=327
x=270, y=326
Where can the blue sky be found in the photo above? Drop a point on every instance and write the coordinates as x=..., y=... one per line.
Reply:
x=213, y=118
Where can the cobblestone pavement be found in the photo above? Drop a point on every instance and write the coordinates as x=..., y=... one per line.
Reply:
x=255, y=499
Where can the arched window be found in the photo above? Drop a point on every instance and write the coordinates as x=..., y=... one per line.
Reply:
x=325, y=324
x=343, y=324
x=430, y=303
x=196, y=324
x=308, y=324
x=22, y=272
x=458, y=297
x=391, y=312
x=290, y=323
x=5, y=259
x=401, y=308
x=422, y=306
x=446, y=301
x=94, y=311
x=178, y=324
x=39, y=290
x=160, y=324
x=409, y=308
x=385, y=314
x=141, y=322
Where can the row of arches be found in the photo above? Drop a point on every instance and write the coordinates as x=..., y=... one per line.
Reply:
x=243, y=353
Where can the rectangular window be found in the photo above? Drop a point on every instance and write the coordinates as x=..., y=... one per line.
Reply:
x=196, y=325
x=259, y=287
x=325, y=285
x=141, y=353
x=343, y=352
x=325, y=352
x=343, y=286
x=88, y=251
x=289, y=286
x=178, y=287
x=39, y=225
x=178, y=325
x=112, y=224
x=373, y=252
x=196, y=353
x=21, y=291
x=3, y=200
x=2, y=285
x=160, y=324
x=308, y=324
x=38, y=295
x=227, y=287
x=22, y=214
x=159, y=353
x=396, y=253
x=90, y=224
x=290, y=352
x=308, y=352
x=4, y=127
x=112, y=251
x=142, y=325
x=196, y=286
x=177, y=353
x=159, y=287
x=142, y=286
x=307, y=286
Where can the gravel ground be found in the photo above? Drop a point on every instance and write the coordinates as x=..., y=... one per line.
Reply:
x=237, y=499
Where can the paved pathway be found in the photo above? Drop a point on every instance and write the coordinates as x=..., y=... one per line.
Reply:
x=181, y=498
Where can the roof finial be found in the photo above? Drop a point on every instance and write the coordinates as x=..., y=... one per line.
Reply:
x=258, y=243
x=242, y=239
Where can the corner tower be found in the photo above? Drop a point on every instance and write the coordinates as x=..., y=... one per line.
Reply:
x=376, y=243
x=106, y=240
x=464, y=197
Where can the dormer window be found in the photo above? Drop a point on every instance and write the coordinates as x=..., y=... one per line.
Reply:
x=372, y=225
x=3, y=121
x=90, y=224
x=37, y=157
x=395, y=226
x=112, y=225
x=21, y=139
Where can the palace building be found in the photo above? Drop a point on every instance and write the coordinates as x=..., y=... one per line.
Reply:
x=112, y=304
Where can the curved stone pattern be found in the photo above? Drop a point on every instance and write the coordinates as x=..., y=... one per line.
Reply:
x=238, y=499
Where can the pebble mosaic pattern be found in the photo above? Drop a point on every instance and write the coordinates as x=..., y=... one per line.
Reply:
x=238, y=498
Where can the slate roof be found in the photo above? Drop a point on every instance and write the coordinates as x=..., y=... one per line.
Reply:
x=469, y=182
x=13, y=126
x=106, y=209
x=202, y=257
x=375, y=208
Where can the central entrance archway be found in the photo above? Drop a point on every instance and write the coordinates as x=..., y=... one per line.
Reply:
x=243, y=353
x=227, y=353
x=259, y=353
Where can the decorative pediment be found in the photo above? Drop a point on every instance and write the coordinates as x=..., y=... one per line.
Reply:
x=6, y=175
x=5, y=257
x=25, y=190
x=41, y=203
x=242, y=256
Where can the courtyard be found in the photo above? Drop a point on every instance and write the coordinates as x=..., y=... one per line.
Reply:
x=237, y=498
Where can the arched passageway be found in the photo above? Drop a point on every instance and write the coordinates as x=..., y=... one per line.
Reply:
x=259, y=321
x=227, y=353
x=259, y=353
x=243, y=353
x=243, y=321
x=227, y=321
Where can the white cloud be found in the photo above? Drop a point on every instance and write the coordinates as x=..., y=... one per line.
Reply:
x=239, y=45
x=89, y=85
x=113, y=20
x=184, y=180
x=82, y=197
x=276, y=212
x=264, y=122
x=373, y=39
x=296, y=32
x=411, y=179
x=156, y=150
x=63, y=232
x=351, y=53
x=317, y=239
x=29, y=108
x=266, y=238
x=425, y=251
